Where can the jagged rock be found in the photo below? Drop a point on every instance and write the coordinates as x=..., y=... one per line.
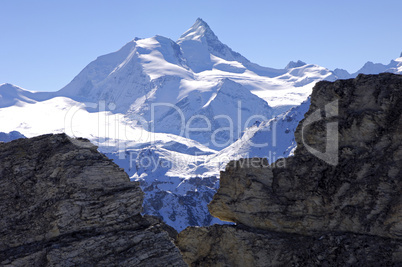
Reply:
x=63, y=203
x=352, y=193
x=361, y=194
x=226, y=245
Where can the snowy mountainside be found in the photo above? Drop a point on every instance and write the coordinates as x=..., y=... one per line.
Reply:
x=191, y=75
x=171, y=191
x=204, y=51
x=176, y=173
x=132, y=77
x=163, y=163
x=112, y=103
x=180, y=181
x=273, y=139
x=126, y=76
x=222, y=115
x=12, y=95
x=275, y=135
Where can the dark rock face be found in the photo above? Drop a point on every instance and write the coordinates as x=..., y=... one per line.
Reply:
x=225, y=245
x=63, y=203
x=361, y=194
x=352, y=192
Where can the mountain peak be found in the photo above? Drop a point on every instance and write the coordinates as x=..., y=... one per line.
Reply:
x=7, y=85
x=293, y=64
x=199, y=29
x=10, y=87
x=200, y=21
x=198, y=44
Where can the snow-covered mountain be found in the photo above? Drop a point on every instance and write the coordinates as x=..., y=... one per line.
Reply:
x=273, y=139
x=203, y=51
x=13, y=135
x=12, y=95
x=395, y=66
x=222, y=117
x=173, y=113
x=154, y=69
x=197, y=82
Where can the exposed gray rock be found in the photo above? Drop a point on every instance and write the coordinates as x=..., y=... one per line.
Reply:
x=13, y=135
x=63, y=203
x=224, y=245
x=361, y=194
x=341, y=209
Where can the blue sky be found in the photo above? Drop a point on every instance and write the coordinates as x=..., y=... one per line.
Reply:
x=44, y=44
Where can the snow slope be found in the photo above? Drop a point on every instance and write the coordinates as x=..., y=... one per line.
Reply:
x=197, y=81
x=11, y=95
x=163, y=162
x=273, y=140
x=221, y=116
x=133, y=104
x=144, y=70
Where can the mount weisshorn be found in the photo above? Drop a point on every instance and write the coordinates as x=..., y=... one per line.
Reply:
x=136, y=104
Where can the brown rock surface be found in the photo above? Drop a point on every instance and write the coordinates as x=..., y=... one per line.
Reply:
x=344, y=208
x=63, y=203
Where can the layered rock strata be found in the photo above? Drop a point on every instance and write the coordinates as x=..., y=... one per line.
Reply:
x=63, y=203
x=341, y=193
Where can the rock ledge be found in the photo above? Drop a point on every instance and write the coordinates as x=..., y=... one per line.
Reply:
x=341, y=208
x=64, y=203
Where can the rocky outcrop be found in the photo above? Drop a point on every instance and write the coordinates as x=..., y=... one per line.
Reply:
x=63, y=203
x=337, y=201
x=226, y=245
